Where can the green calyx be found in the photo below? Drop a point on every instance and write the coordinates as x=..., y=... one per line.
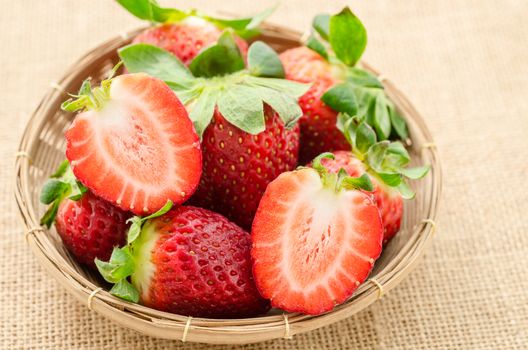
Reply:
x=61, y=185
x=341, y=39
x=89, y=98
x=149, y=10
x=386, y=160
x=341, y=180
x=122, y=261
x=218, y=78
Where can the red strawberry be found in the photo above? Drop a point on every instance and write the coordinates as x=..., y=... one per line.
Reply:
x=238, y=166
x=388, y=199
x=314, y=240
x=318, y=123
x=185, y=39
x=91, y=227
x=338, y=86
x=134, y=145
x=192, y=262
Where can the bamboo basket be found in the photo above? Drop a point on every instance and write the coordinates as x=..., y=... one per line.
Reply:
x=42, y=149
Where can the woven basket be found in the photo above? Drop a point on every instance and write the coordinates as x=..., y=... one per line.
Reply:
x=42, y=149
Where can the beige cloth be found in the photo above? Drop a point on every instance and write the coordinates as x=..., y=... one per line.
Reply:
x=464, y=63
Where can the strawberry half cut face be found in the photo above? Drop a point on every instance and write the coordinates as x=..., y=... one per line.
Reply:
x=136, y=148
x=313, y=245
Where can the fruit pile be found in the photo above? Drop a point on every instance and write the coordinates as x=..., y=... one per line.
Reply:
x=217, y=178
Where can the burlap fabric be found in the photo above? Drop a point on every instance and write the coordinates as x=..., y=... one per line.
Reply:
x=462, y=62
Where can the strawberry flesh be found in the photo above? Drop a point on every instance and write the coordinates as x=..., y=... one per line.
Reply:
x=139, y=150
x=312, y=246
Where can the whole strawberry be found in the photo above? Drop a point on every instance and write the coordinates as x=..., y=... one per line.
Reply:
x=386, y=164
x=239, y=166
x=245, y=115
x=89, y=226
x=338, y=86
x=186, y=33
x=188, y=261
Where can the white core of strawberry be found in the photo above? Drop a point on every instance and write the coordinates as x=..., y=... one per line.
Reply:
x=142, y=249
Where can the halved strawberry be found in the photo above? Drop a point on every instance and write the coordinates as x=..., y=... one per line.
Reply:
x=315, y=239
x=134, y=145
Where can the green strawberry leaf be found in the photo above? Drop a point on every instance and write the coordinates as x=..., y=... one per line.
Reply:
x=203, y=110
x=62, y=168
x=398, y=123
x=154, y=61
x=316, y=163
x=376, y=155
x=396, y=156
x=317, y=46
x=382, y=123
x=347, y=36
x=242, y=107
x=263, y=61
x=405, y=191
x=390, y=179
x=286, y=106
x=415, y=173
x=288, y=87
x=149, y=10
x=61, y=185
x=52, y=190
x=125, y=290
x=138, y=221
x=321, y=23
x=120, y=266
x=341, y=98
x=365, y=137
x=220, y=59
x=245, y=28
x=362, y=78
x=50, y=214
x=356, y=183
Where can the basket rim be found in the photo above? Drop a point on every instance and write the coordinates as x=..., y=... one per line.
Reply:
x=172, y=326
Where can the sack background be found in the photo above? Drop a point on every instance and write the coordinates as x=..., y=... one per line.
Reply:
x=464, y=64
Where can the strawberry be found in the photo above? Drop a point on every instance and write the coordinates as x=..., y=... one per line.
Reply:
x=186, y=33
x=386, y=164
x=238, y=166
x=185, y=39
x=245, y=115
x=189, y=261
x=388, y=199
x=315, y=239
x=338, y=86
x=89, y=226
x=133, y=143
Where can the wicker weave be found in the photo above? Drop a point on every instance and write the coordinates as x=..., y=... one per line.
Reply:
x=42, y=148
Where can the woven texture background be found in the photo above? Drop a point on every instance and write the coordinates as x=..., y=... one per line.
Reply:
x=464, y=65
